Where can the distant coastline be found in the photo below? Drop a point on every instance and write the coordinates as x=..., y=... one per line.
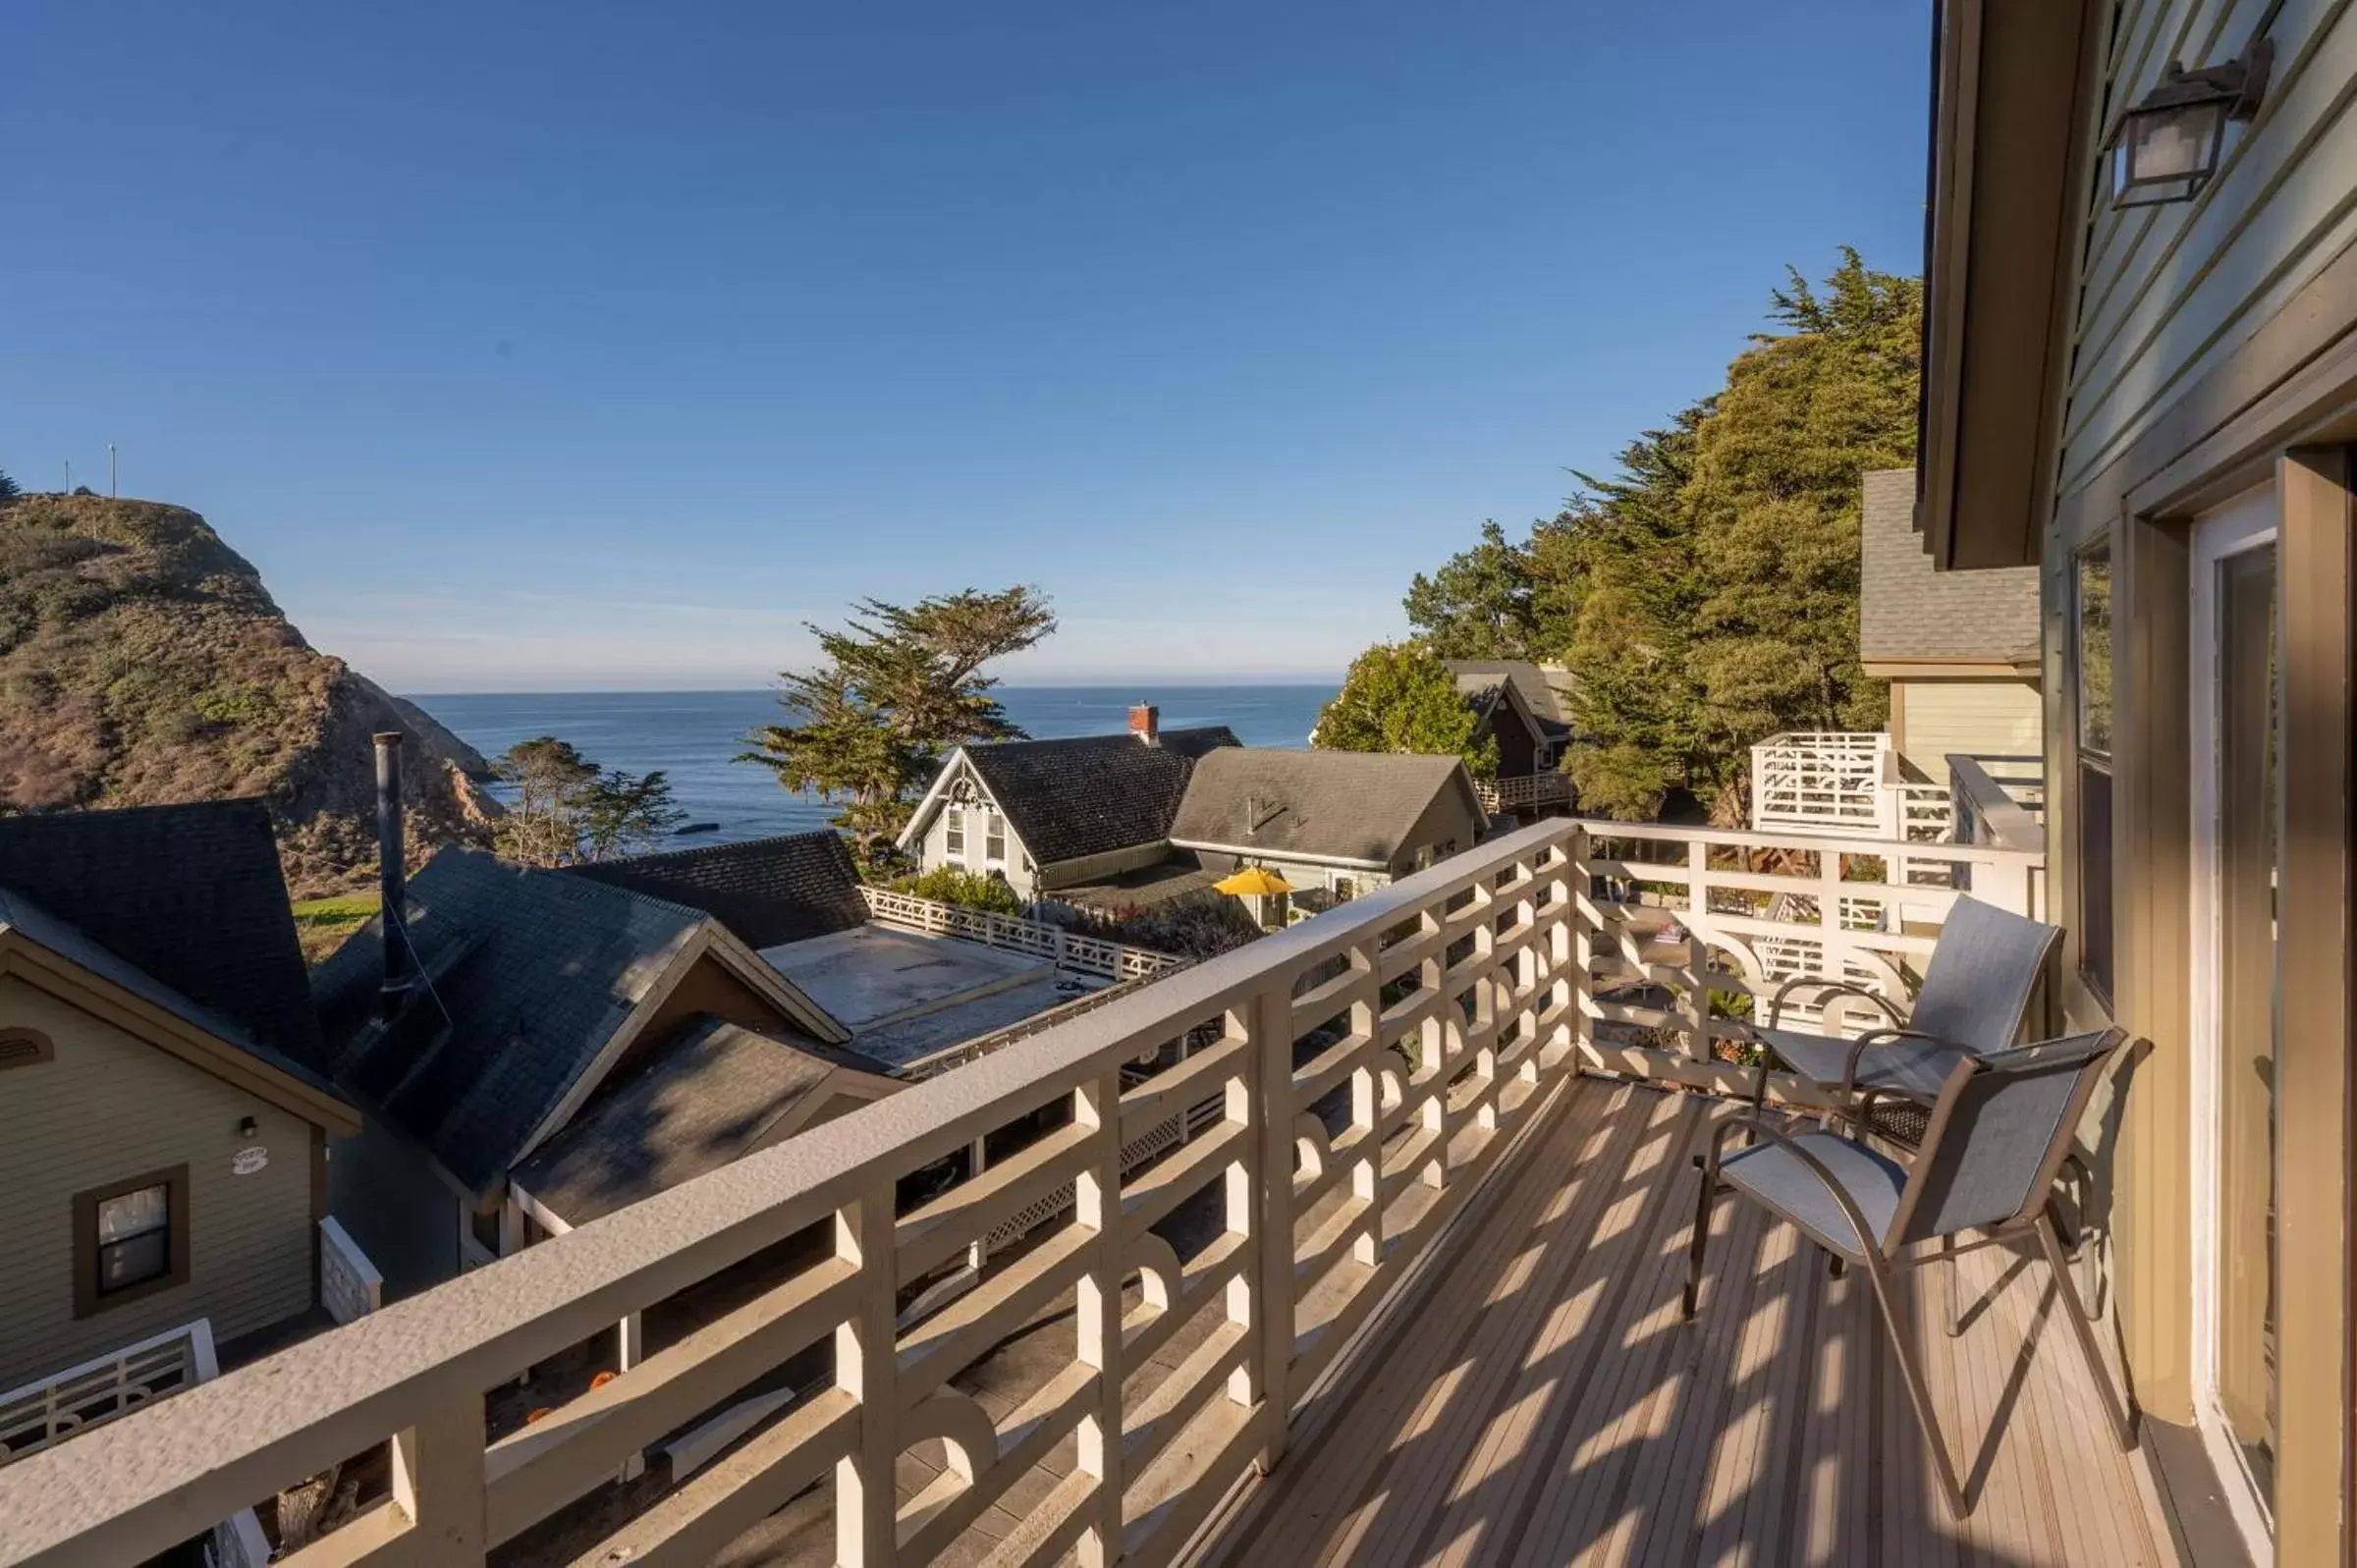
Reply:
x=694, y=736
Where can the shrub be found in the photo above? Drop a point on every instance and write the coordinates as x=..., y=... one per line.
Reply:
x=971, y=889
x=1200, y=925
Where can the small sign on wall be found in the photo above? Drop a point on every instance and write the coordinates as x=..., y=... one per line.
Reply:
x=246, y=1162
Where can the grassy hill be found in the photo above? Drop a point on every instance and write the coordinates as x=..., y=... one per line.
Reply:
x=142, y=662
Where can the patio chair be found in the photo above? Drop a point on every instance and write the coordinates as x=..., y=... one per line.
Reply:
x=1976, y=992
x=1999, y=1128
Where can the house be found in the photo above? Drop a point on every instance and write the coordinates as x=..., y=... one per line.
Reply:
x=1341, y=823
x=767, y=891
x=2141, y=383
x=162, y=1135
x=1049, y=814
x=532, y=993
x=1959, y=648
x=1527, y=706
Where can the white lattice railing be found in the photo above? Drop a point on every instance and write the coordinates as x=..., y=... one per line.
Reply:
x=1844, y=781
x=1523, y=792
x=1067, y=949
x=1366, y=1068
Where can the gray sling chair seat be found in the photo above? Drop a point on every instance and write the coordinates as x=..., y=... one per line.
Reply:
x=1976, y=992
x=1999, y=1131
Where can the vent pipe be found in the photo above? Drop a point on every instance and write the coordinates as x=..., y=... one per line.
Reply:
x=391, y=880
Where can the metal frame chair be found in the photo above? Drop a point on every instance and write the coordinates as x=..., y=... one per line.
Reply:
x=1997, y=1136
x=1976, y=992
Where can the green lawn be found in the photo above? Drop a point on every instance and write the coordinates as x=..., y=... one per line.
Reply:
x=322, y=924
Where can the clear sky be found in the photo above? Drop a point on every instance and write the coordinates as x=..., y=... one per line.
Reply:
x=537, y=346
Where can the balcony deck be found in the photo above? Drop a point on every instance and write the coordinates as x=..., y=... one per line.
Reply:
x=1539, y=1400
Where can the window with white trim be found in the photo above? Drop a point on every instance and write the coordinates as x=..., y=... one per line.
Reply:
x=994, y=838
x=952, y=833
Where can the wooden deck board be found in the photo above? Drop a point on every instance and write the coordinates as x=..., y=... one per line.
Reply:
x=1540, y=1399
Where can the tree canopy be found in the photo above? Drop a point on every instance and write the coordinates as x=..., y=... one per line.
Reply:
x=567, y=810
x=1400, y=698
x=898, y=688
x=7, y=488
x=1705, y=595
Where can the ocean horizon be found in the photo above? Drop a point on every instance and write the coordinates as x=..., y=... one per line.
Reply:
x=694, y=736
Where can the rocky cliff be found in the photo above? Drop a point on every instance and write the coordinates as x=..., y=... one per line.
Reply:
x=142, y=662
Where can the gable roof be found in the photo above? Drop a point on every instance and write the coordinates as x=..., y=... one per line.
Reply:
x=1349, y=806
x=534, y=981
x=711, y=1093
x=206, y=1040
x=189, y=896
x=767, y=891
x=1085, y=796
x=1545, y=693
x=1908, y=609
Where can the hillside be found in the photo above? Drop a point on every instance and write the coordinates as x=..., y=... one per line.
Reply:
x=142, y=662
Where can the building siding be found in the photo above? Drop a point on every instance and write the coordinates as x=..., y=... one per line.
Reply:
x=110, y=1106
x=936, y=849
x=2168, y=291
x=1983, y=717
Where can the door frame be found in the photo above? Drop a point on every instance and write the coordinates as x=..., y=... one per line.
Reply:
x=2249, y=522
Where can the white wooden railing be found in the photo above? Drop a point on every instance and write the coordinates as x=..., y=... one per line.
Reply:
x=1523, y=792
x=1846, y=782
x=1368, y=1068
x=1075, y=950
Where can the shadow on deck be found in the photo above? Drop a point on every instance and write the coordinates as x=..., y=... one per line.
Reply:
x=1534, y=1397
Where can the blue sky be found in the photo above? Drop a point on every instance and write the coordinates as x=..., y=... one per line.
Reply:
x=536, y=347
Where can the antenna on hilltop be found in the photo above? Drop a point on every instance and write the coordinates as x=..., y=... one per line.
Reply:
x=69, y=476
x=113, y=491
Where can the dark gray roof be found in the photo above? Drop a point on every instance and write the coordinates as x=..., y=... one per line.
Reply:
x=189, y=896
x=1179, y=876
x=1546, y=693
x=78, y=947
x=701, y=1099
x=1083, y=796
x=532, y=973
x=1909, y=609
x=768, y=891
x=1348, y=805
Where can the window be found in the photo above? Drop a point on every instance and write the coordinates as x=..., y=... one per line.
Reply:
x=131, y=1239
x=2091, y=657
x=953, y=832
x=994, y=838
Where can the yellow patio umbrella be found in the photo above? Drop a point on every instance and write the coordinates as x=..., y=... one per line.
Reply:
x=1253, y=882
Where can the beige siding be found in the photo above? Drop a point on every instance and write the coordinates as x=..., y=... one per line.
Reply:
x=2168, y=291
x=111, y=1107
x=1982, y=717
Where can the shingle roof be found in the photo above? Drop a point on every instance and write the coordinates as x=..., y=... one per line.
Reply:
x=709, y=1095
x=1346, y=805
x=78, y=947
x=1909, y=609
x=531, y=974
x=768, y=891
x=189, y=896
x=1083, y=796
x=1546, y=693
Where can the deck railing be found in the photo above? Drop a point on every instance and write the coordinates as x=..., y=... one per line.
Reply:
x=1369, y=1066
x=1846, y=782
x=1075, y=950
x=1523, y=792
x=1999, y=799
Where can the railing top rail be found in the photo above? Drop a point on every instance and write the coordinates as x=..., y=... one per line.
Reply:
x=209, y=1451
x=1756, y=838
x=2009, y=824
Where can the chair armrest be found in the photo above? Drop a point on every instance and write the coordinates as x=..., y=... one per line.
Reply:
x=1871, y=1037
x=1760, y=1127
x=1826, y=987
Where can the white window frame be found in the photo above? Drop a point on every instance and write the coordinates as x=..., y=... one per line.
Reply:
x=952, y=833
x=994, y=838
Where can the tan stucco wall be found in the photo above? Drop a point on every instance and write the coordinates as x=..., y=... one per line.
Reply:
x=111, y=1107
x=1933, y=718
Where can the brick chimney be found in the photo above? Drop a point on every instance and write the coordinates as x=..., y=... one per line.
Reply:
x=1145, y=723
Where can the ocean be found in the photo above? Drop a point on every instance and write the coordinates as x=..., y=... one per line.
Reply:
x=694, y=735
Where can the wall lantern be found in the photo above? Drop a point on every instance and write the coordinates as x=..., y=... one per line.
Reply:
x=2170, y=144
